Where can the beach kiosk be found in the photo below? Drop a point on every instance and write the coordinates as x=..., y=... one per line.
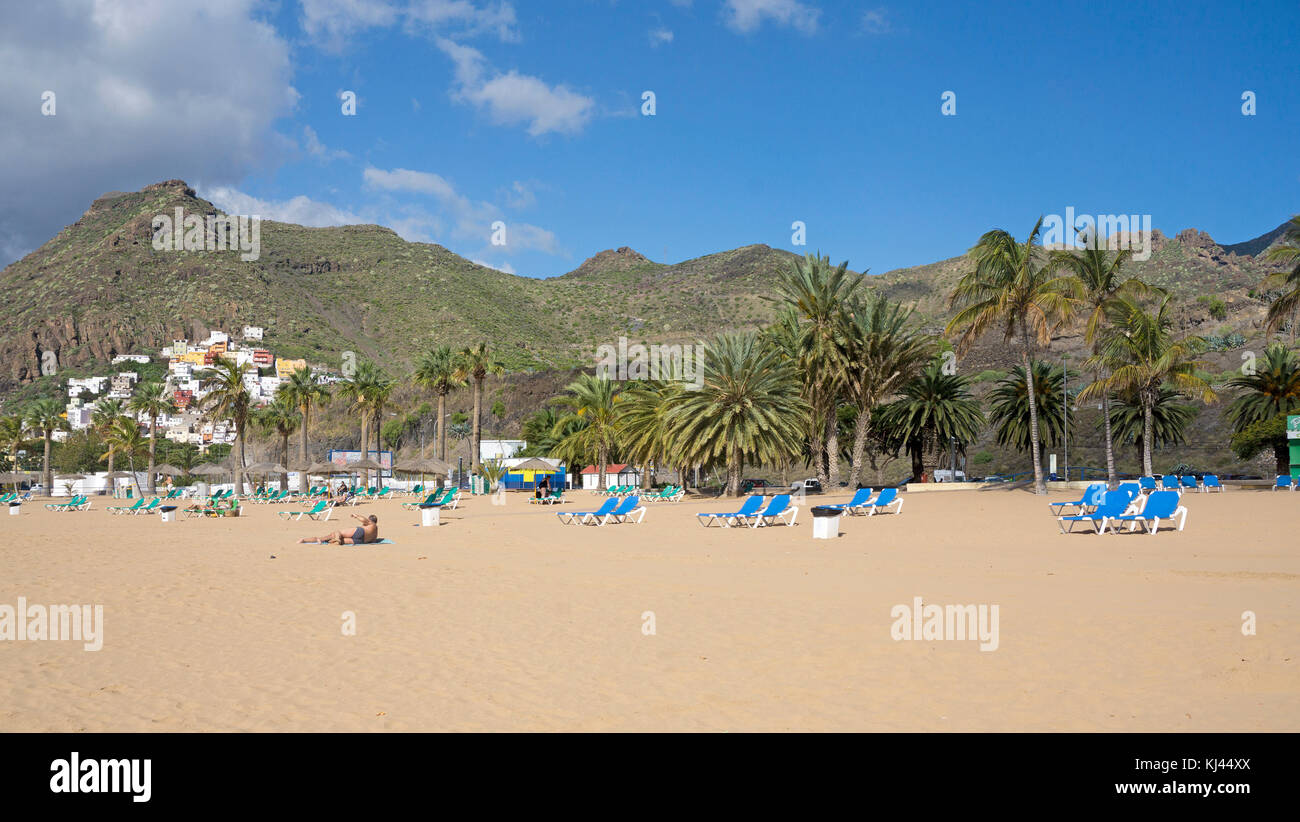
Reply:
x=1293, y=444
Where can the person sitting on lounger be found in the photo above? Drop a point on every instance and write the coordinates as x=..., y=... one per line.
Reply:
x=367, y=531
x=543, y=487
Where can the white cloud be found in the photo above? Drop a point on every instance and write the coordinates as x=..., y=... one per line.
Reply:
x=142, y=94
x=876, y=21
x=747, y=15
x=660, y=36
x=317, y=149
x=520, y=196
x=513, y=98
x=505, y=268
x=331, y=23
x=471, y=219
x=298, y=210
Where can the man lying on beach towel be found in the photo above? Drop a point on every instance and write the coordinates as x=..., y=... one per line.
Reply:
x=367, y=531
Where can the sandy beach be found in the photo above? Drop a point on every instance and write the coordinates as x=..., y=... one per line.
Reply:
x=501, y=619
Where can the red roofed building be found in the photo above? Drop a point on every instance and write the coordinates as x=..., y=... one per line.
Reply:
x=615, y=474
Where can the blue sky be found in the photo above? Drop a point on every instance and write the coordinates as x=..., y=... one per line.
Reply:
x=768, y=112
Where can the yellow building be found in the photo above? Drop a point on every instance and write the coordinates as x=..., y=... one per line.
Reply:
x=193, y=357
x=284, y=368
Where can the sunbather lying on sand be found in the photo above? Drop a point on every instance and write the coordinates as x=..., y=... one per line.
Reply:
x=367, y=531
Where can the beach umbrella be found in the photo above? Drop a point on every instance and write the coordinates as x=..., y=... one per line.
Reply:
x=266, y=468
x=210, y=469
x=168, y=470
x=365, y=465
x=534, y=464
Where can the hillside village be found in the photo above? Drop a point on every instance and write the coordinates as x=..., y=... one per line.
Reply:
x=187, y=363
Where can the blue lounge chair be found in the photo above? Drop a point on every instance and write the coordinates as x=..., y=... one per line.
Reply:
x=1160, y=505
x=1283, y=481
x=888, y=498
x=861, y=499
x=1147, y=484
x=747, y=509
x=1169, y=482
x=1090, y=498
x=777, y=510
x=629, y=507
x=1114, y=504
x=1209, y=482
x=606, y=507
x=1189, y=482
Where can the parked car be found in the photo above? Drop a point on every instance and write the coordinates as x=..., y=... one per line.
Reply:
x=812, y=485
x=755, y=486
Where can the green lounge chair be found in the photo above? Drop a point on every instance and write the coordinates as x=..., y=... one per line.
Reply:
x=320, y=511
x=125, y=509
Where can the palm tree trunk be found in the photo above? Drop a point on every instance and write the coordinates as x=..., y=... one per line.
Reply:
x=112, y=481
x=153, y=439
x=365, y=447
x=239, y=463
x=478, y=401
x=918, y=466
x=49, y=474
x=832, y=449
x=1112, y=481
x=442, y=427
x=302, y=447
x=1148, y=436
x=284, y=451
x=818, y=442
x=1040, y=482
x=861, y=427
x=735, y=467
x=602, y=454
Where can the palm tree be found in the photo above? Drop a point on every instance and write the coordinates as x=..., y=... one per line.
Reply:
x=437, y=372
x=1169, y=419
x=123, y=438
x=644, y=428
x=1286, y=305
x=1272, y=390
x=228, y=398
x=591, y=423
x=1009, y=412
x=104, y=413
x=817, y=293
x=304, y=391
x=1014, y=289
x=884, y=351
x=366, y=392
x=749, y=409
x=1098, y=274
x=152, y=400
x=13, y=431
x=281, y=417
x=934, y=408
x=538, y=432
x=1142, y=355
x=44, y=417
x=476, y=363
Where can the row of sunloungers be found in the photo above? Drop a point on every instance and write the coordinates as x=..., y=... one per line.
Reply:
x=779, y=510
x=1108, y=510
x=612, y=510
x=13, y=496
x=1287, y=482
x=671, y=493
x=446, y=498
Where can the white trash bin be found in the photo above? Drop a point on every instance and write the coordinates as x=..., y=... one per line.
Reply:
x=15, y=508
x=429, y=515
x=826, y=522
x=167, y=513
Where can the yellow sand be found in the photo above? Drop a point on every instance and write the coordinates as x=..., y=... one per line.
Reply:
x=503, y=619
